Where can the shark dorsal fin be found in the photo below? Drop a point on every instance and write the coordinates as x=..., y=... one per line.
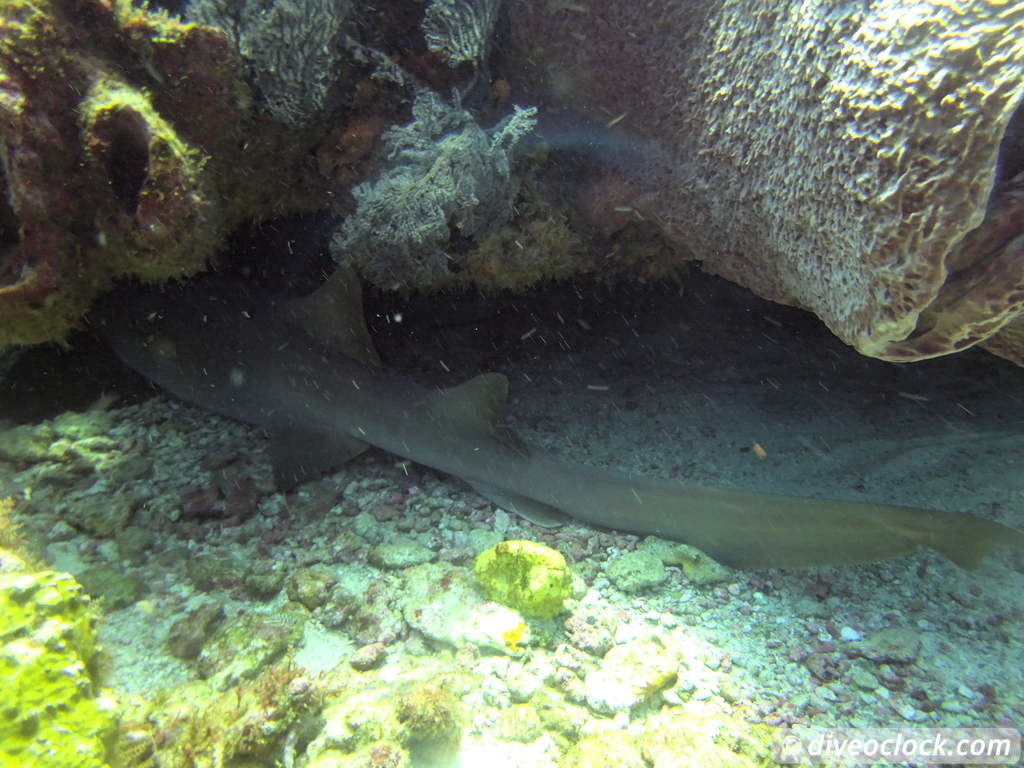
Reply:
x=333, y=315
x=477, y=407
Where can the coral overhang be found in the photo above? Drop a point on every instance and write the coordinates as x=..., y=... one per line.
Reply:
x=127, y=136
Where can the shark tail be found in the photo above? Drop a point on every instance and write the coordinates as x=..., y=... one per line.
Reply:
x=970, y=539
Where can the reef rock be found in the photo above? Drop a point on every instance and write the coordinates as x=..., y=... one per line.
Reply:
x=530, y=577
x=629, y=675
x=53, y=713
x=859, y=160
x=129, y=143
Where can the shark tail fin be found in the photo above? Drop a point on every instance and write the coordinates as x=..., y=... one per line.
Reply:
x=972, y=538
x=476, y=408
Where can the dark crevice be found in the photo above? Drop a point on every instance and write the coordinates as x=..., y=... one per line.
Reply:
x=1011, y=149
x=127, y=157
x=9, y=236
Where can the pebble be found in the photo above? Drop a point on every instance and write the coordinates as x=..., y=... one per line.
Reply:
x=672, y=698
x=364, y=524
x=495, y=692
x=368, y=657
x=443, y=603
x=636, y=571
x=897, y=645
x=863, y=679
x=849, y=634
x=967, y=693
x=824, y=693
x=522, y=684
x=730, y=690
x=400, y=554
x=589, y=634
x=907, y=712
x=61, y=531
x=502, y=521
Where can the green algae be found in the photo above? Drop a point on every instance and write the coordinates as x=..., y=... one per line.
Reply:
x=431, y=717
x=530, y=577
x=52, y=714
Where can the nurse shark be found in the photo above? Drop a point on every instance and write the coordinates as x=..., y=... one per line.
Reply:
x=305, y=370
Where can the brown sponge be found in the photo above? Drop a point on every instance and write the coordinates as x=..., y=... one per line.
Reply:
x=835, y=155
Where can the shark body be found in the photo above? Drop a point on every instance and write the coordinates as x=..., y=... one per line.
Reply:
x=266, y=361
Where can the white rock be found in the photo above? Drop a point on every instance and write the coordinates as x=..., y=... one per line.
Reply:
x=628, y=675
x=849, y=634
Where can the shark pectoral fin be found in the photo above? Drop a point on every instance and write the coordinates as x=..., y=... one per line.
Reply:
x=476, y=408
x=333, y=315
x=537, y=512
x=297, y=457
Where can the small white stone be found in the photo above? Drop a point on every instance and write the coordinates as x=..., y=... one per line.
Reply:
x=825, y=693
x=495, y=692
x=61, y=531
x=671, y=697
x=522, y=684
x=908, y=712
x=849, y=634
x=502, y=521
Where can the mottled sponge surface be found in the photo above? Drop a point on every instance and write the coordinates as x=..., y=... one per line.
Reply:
x=830, y=155
x=524, y=575
x=50, y=712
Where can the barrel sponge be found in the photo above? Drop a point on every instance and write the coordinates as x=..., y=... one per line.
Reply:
x=1009, y=341
x=898, y=123
x=831, y=155
x=878, y=151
